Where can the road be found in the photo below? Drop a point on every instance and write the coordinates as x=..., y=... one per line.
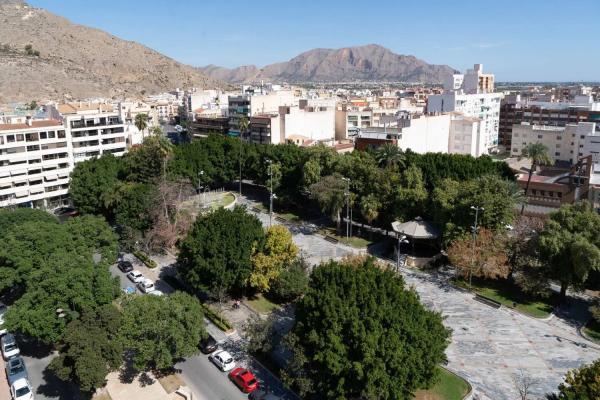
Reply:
x=204, y=379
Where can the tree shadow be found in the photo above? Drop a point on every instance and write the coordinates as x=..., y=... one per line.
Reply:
x=145, y=379
x=127, y=373
x=32, y=348
x=55, y=388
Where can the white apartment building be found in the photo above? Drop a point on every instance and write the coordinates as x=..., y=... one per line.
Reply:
x=95, y=129
x=37, y=156
x=424, y=133
x=565, y=143
x=349, y=120
x=466, y=136
x=473, y=95
x=302, y=125
x=485, y=106
x=35, y=163
x=270, y=103
x=310, y=124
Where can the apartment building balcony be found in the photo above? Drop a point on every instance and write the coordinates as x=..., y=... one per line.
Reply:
x=106, y=121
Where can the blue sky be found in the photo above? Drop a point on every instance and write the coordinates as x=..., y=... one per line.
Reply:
x=542, y=40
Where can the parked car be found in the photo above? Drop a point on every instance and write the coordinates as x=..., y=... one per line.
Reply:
x=146, y=285
x=3, y=310
x=208, y=345
x=9, y=346
x=156, y=292
x=244, y=379
x=125, y=266
x=15, y=369
x=135, y=276
x=223, y=360
x=260, y=394
x=21, y=390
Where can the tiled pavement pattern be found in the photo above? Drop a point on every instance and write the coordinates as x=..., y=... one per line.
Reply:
x=489, y=346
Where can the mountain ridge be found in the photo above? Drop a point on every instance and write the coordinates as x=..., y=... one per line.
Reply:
x=370, y=62
x=66, y=60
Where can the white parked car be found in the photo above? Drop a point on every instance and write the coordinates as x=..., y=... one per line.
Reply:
x=21, y=390
x=146, y=285
x=223, y=360
x=135, y=276
x=3, y=310
x=9, y=346
x=156, y=292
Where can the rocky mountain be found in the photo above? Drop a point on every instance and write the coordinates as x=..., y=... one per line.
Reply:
x=363, y=63
x=44, y=56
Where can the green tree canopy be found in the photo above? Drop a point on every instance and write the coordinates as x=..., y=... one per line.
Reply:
x=91, y=349
x=570, y=244
x=55, y=266
x=94, y=183
x=360, y=333
x=580, y=384
x=217, y=253
x=159, y=330
x=329, y=192
x=291, y=283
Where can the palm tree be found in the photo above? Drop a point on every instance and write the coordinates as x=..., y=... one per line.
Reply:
x=369, y=208
x=243, y=126
x=141, y=122
x=390, y=155
x=538, y=154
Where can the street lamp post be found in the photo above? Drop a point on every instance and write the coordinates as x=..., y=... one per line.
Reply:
x=347, y=194
x=474, y=227
x=401, y=239
x=200, y=187
x=270, y=191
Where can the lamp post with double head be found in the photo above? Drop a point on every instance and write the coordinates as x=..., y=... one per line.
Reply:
x=474, y=228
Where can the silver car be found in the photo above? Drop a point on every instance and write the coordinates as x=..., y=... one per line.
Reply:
x=9, y=346
x=15, y=369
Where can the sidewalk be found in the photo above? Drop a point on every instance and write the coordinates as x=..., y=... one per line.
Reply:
x=4, y=389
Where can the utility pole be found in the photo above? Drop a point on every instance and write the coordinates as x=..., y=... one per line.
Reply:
x=474, y=227
x=347, y=194
x=270, y=191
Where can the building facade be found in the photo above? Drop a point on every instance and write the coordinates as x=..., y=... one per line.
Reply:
x=37, y=156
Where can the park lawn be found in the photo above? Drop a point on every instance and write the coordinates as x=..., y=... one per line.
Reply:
x=224, y=201
x=592, y=330
x=353, y=241
x=449, y=387
x=508, y=294
x=262, y=305
x=290, y=216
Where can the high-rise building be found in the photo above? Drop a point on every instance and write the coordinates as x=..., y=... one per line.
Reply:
x=472, y=94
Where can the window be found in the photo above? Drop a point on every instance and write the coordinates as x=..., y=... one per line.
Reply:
x=540, y=136
x=51, y=135
x=556, y=154
x=542, y=192
x=20, y=137
x=10, y=138
x=558, y=145
x=559, y=138
x=533, y=192
x=61, y=134
x=559, y=194
x=43, y=135
x=582, y=137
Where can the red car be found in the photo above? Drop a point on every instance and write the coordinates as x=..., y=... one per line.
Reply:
x=244, y=379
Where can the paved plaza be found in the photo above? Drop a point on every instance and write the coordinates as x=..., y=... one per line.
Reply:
x=489, y=346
